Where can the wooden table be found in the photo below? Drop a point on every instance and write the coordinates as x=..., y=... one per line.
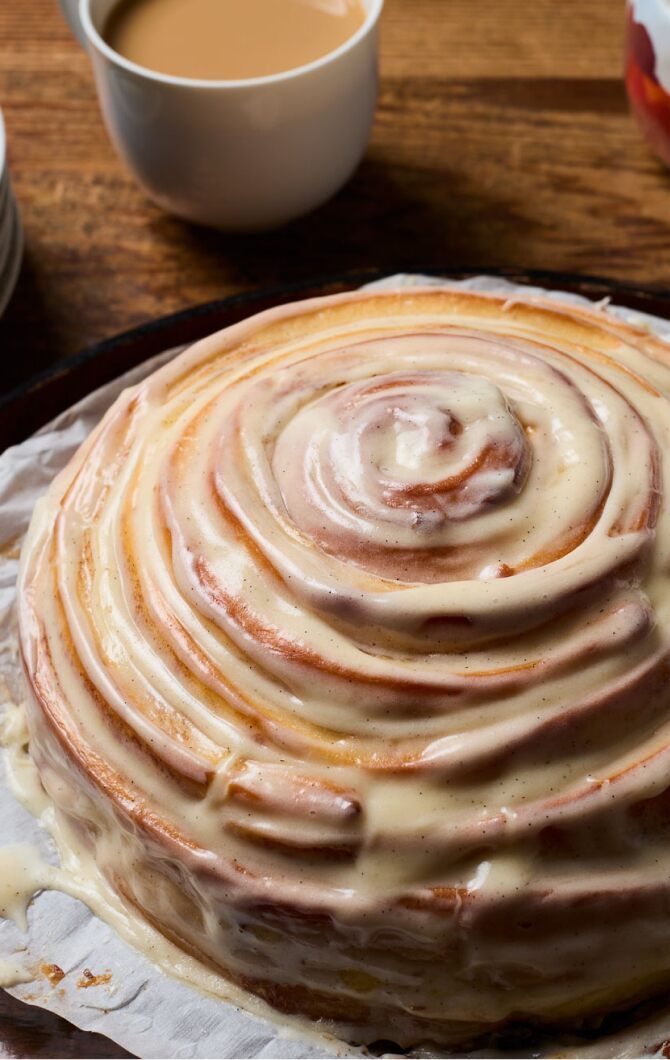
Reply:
x=502, y=139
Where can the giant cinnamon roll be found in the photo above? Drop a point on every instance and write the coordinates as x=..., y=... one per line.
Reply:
x=347, y=636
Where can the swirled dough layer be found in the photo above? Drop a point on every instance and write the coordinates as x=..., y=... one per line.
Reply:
x=347, y=637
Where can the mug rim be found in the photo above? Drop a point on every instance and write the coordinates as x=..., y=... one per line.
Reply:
x=94, y=37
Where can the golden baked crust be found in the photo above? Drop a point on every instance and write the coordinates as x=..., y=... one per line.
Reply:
x=347, y=639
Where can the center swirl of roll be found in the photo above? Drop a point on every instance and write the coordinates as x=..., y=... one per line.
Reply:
x=388, y=462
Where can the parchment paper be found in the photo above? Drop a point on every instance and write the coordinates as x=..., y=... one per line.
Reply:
x=141, y=1008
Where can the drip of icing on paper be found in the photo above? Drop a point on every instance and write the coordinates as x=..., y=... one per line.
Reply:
x=23, y=874
x=13, y=972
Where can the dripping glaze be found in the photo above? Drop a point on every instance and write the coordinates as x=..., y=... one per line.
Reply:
x=356, y=616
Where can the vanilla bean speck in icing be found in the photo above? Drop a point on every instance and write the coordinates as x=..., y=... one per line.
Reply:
x=347, y=638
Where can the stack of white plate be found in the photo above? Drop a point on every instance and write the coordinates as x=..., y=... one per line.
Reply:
x=11, y=237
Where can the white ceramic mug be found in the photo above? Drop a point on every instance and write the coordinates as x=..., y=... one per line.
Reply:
x=237, y=155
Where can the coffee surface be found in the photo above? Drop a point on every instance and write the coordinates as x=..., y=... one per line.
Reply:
x=229, y=39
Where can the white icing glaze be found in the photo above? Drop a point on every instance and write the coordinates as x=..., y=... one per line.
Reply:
x=13, y=972
x=79, y=877
x=23, y=873
x=348, y=637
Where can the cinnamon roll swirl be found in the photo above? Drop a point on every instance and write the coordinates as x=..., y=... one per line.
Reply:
x=347, y=638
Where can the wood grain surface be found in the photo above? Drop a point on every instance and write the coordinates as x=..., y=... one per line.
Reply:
x=26, y=1031
x=502, y=138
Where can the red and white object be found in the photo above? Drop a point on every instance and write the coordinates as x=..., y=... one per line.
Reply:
x=648, y=70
